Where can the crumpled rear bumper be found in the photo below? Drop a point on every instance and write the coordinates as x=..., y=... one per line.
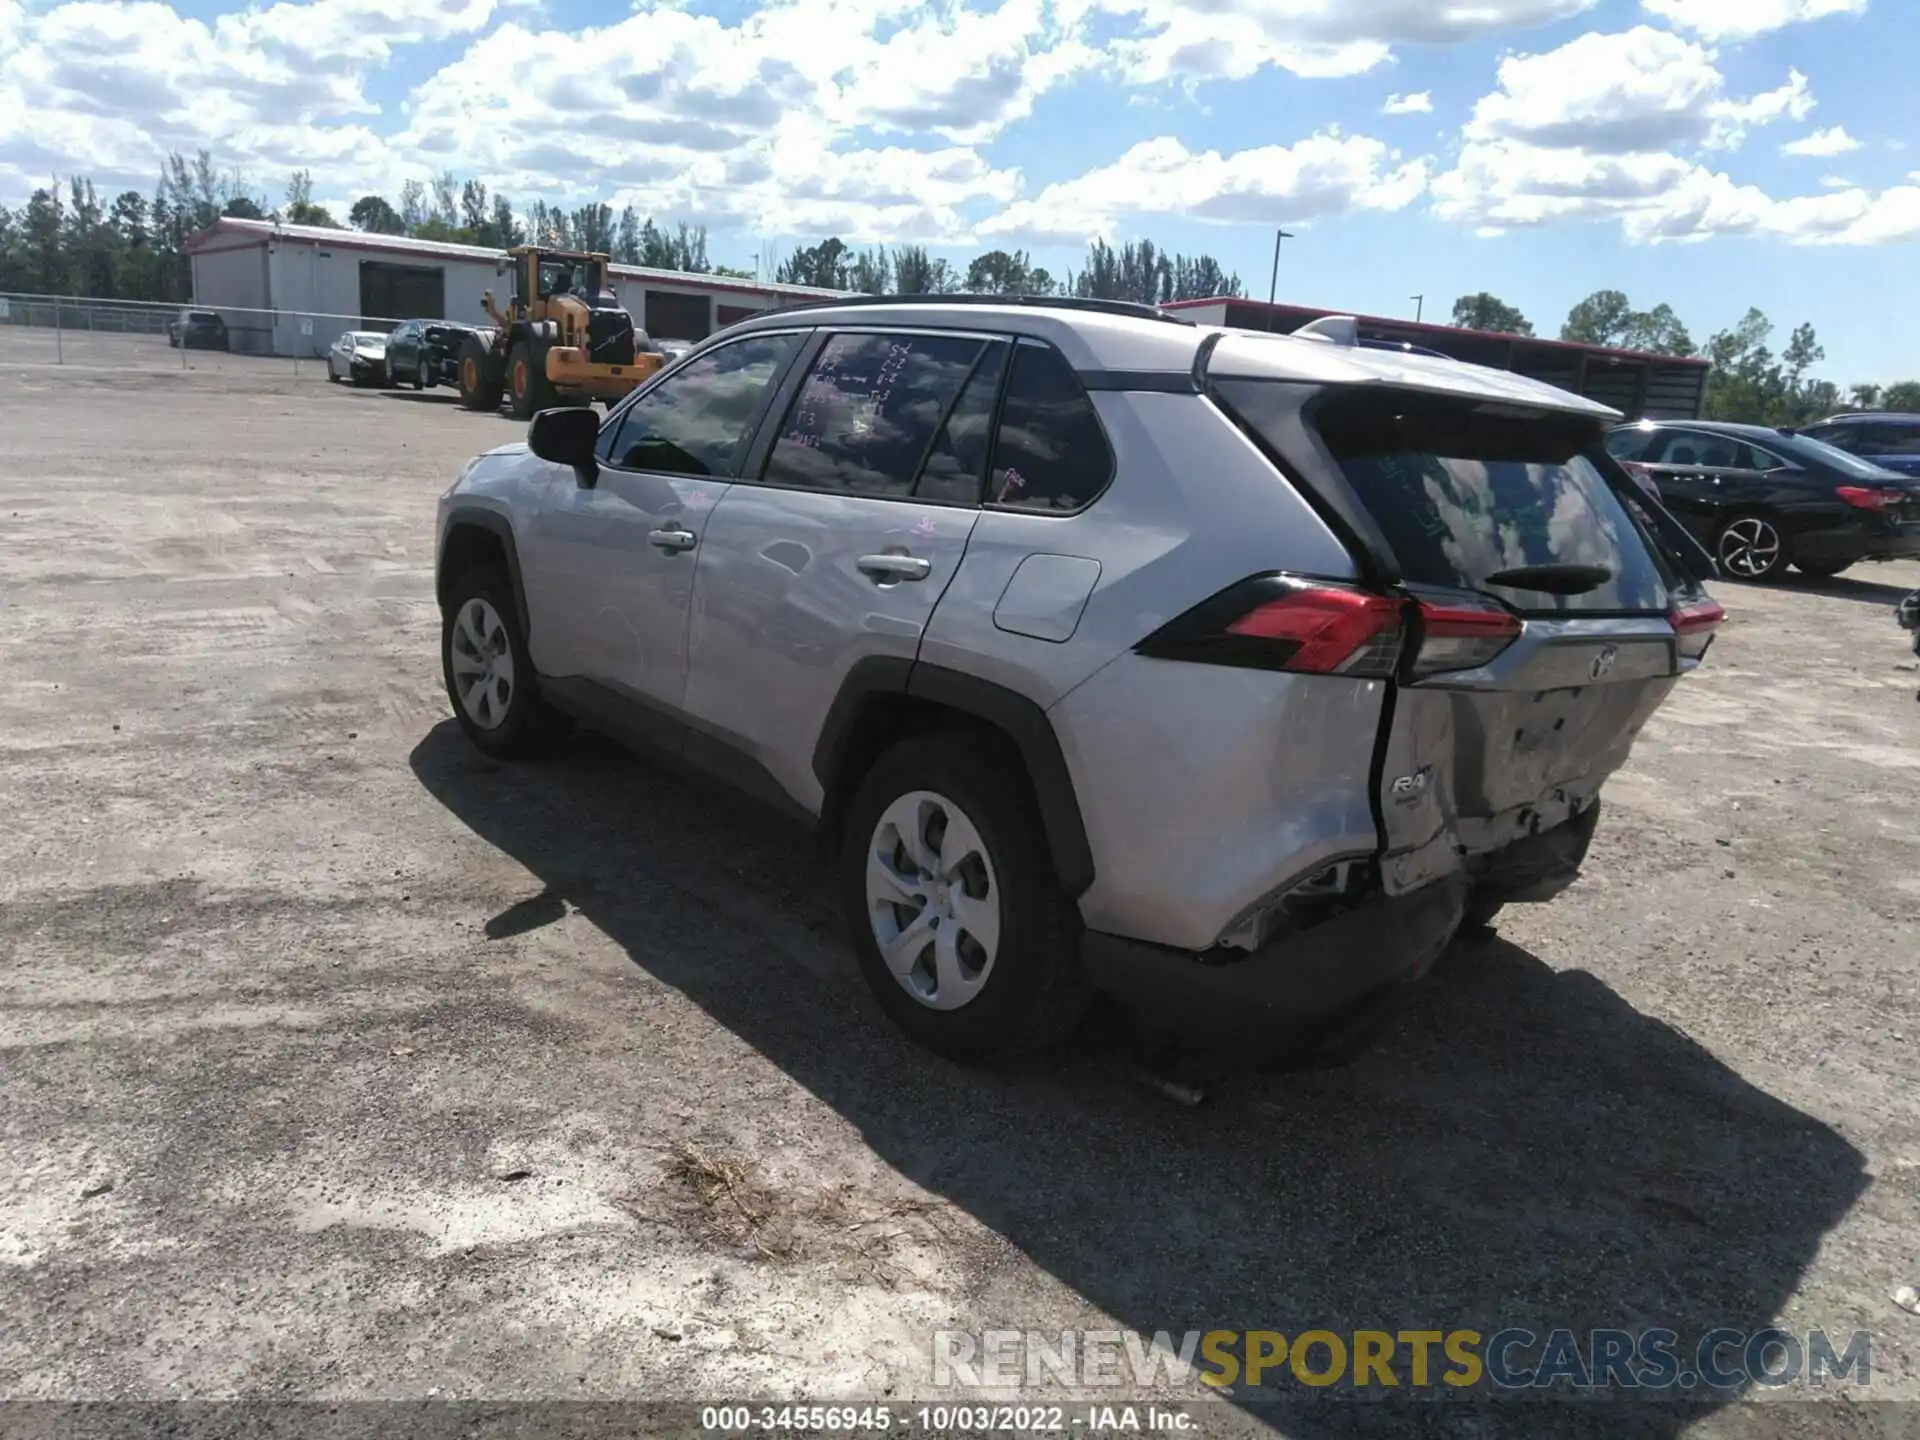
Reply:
x=1288, y=988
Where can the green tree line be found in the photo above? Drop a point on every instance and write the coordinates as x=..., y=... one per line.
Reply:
x=1750, y=382
x=65, y=240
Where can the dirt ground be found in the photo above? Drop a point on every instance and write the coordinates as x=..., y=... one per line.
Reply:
x=338, y=1063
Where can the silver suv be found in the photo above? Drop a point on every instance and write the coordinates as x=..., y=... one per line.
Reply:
x=1227, y=672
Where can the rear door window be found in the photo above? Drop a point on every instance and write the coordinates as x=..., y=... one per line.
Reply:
x=1464, y=497
x=956, y=465
x=870, y=411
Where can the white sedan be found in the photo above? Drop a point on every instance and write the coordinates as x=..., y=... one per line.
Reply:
x=359, y=356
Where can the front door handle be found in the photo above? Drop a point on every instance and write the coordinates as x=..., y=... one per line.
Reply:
x=672, y=541
x=885, y=568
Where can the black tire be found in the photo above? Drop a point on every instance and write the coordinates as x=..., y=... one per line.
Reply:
x=1823, y=569
x=1036, y=992
x=419, y=377
x=1740, y=546
x=479, y=387
x=1480, y=915
x=529, y=726
x=528, y=389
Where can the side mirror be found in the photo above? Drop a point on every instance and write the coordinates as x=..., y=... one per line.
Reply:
x=566, y=436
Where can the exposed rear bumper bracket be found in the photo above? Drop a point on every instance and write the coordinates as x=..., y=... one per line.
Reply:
x=1285, y=988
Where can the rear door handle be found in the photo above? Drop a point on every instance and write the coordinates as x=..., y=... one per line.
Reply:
x=672, y=541
x=895, y=567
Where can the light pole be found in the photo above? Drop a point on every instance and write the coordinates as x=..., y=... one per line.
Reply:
x=1273, y=284
x=1419, y=307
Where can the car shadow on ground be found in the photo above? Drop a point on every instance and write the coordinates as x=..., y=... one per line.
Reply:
x=1850, y=586
x=1523, y=1148
x=422, y=397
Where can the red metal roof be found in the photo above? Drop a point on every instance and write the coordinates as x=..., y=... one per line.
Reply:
x=259, y=232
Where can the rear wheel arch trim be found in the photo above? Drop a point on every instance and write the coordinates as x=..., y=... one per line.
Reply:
x=1022, y=721
x=497, y=525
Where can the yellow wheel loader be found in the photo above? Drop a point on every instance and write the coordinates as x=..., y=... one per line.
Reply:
x=562, y=340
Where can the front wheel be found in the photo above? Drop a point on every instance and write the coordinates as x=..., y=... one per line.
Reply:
x=1751, y=547
x=528, y=389
x=489, y=674
x=957, y=917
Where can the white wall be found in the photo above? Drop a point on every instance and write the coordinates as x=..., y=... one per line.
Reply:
x=234, y=282
x=318, y=286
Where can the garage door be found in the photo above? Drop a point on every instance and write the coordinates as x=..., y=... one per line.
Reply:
x=390, y=293
x=678, y=317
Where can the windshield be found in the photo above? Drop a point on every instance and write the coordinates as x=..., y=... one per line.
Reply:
x=367, y=337
x=1834, y=456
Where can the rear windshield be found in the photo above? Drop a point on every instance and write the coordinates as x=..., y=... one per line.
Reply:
x=1463, y=496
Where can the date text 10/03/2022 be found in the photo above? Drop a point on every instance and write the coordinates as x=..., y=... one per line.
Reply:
x=1096, y=1419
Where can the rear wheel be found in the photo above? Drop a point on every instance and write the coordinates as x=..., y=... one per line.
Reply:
x=1751, y=547
x=479, y=390
x=956, y=914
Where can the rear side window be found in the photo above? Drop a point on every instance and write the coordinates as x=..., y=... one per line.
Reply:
x=1880, y=439
x=1465, y=497
x=1050, y=454
x=870, y=410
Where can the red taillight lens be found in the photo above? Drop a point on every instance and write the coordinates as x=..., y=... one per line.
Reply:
x=1864, y=499
x=1333, y=631
x=1694, y=624
x=1461, y=635
x=1276, y=622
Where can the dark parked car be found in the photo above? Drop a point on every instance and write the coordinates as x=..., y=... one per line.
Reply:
x=1763, y=499
x=197, y=330
x=1909, y=617
x=1889, y=441
x=427, y=352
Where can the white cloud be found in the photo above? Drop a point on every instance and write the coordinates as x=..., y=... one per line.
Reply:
x=1232, y=39
x=1744, y=19
x=1420, y=103
x=1837, y=182
x=1322, y=175
x=1635, y=91
x=1657, y=197
x=1822, y=144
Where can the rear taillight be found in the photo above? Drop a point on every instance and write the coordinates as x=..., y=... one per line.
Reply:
x=1862, y=498
x=1461, y=635
x=1694, y=624
x=1280, y=623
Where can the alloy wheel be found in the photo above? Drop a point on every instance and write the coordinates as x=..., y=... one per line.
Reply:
x=1750, y=547
x=933, y=900
x=481, y=658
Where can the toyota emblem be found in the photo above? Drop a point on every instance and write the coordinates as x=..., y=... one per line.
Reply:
x=1603, y=663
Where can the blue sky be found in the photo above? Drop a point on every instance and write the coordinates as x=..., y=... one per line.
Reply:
x=1712, y=154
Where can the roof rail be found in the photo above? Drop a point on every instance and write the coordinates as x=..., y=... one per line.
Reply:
x=1133, y=309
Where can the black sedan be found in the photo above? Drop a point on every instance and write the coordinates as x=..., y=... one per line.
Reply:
x=427, y=352
x=1763, y=499
x=197, y=330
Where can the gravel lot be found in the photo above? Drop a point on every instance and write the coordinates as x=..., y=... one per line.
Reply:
x=336, y=1062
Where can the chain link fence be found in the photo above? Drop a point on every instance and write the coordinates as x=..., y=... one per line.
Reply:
x=140, y=335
